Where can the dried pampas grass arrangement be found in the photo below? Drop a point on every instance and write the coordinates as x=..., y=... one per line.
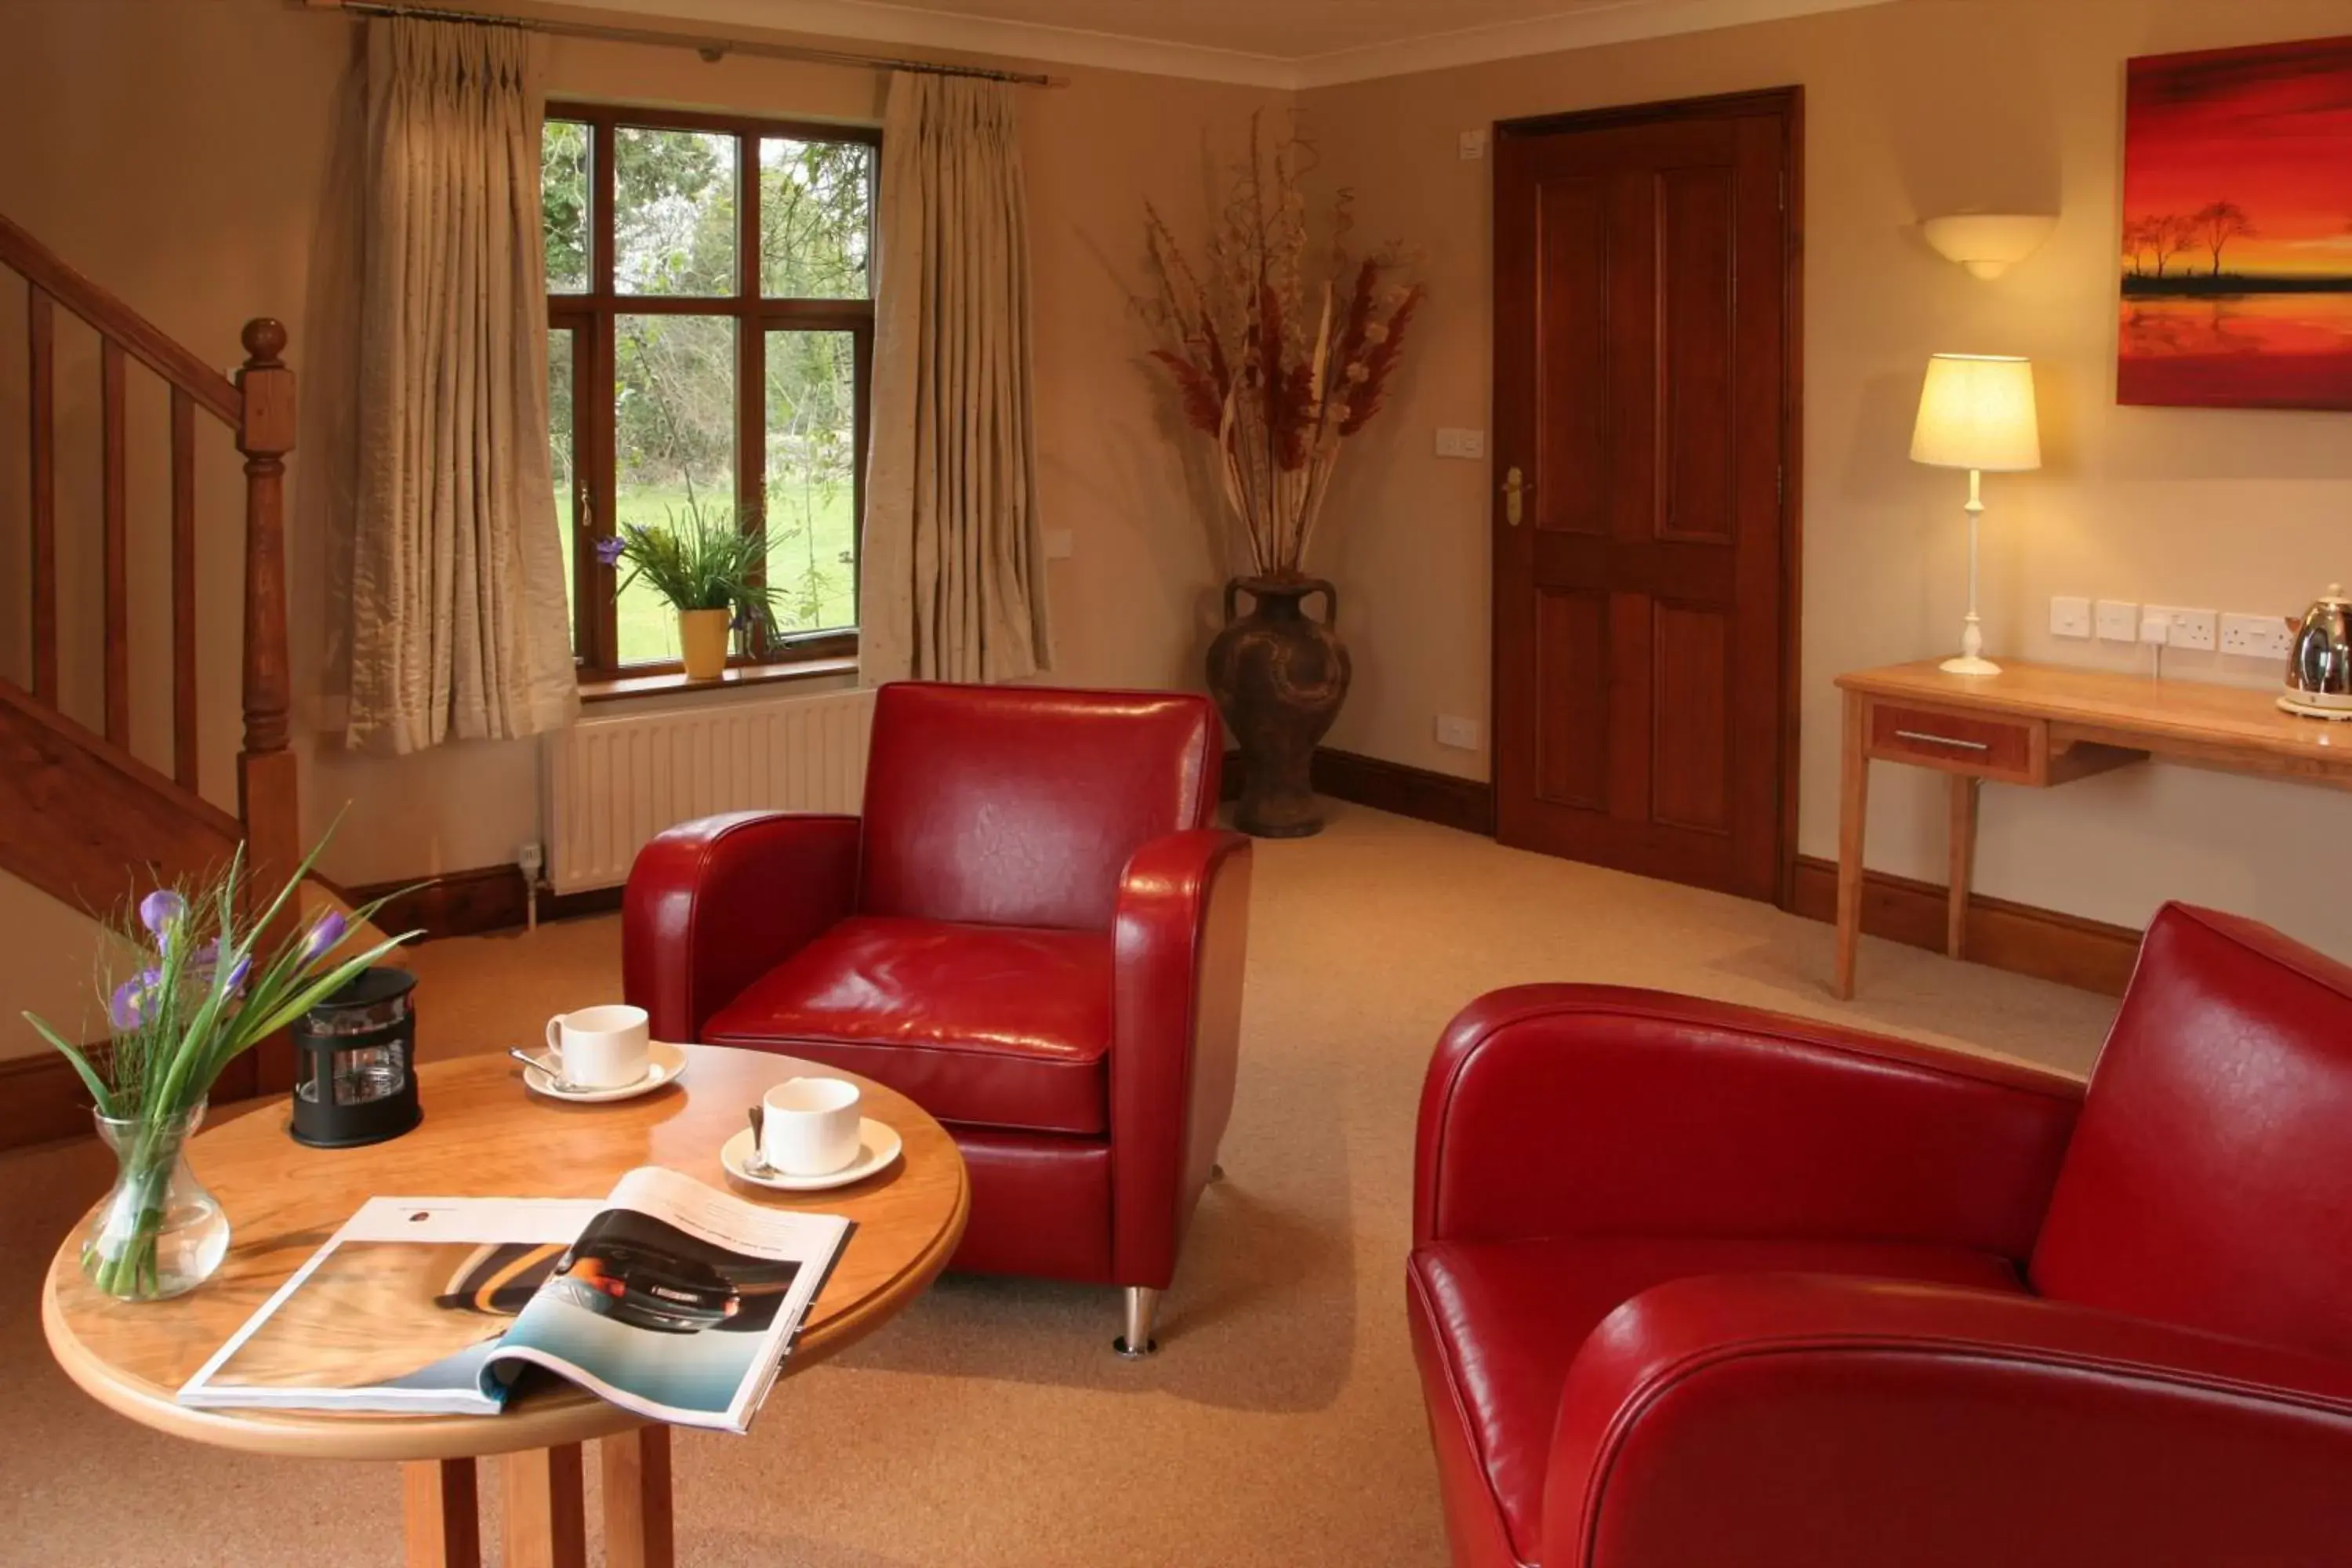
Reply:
x=1279, y=351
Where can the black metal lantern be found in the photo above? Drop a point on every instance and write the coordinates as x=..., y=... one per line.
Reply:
x=355, y=1075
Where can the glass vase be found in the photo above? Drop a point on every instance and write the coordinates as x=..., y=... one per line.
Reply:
x=160, y=1233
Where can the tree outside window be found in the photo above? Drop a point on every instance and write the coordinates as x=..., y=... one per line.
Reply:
x=714, y=273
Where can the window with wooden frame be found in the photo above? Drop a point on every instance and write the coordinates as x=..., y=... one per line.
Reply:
x=711, y=322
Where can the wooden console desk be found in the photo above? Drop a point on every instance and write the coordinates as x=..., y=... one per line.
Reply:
x=2039, y=725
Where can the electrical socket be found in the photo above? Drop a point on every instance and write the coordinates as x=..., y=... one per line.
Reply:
x=2070, y=617
x=1456, y=732
x=2257, y=636
x=1472, y=145
x=2191, y=629
x=1469, y=444
x=2118, y=621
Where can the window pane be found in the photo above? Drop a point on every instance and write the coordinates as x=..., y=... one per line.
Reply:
x=673, y=446
x=817, y=218
x=674, y=212
x=812, y=500
x=563, y=205
x=562, y=448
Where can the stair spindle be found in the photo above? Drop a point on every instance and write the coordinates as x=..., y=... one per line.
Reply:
x=184, y=588
x=117, y=543
x=41, y=335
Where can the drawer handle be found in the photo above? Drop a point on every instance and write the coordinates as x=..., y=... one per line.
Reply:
x=1941, y=740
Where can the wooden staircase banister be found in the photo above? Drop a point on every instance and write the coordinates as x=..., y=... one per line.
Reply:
x=81, y=811
x=48, y=272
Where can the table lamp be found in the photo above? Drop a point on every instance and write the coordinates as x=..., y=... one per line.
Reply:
x=1976, y=413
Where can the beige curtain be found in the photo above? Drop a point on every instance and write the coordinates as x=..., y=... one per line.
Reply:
x=458, y=625
x=953, y=577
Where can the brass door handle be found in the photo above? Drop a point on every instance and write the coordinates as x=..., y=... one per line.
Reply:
x=1515, y=486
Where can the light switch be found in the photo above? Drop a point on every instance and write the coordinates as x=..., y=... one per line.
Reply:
x=1469, y=444
x=2070, y=617
x=1473, y=146
x=1453, y=730
x=2118, y=621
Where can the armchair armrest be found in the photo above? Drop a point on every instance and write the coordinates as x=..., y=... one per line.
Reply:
x=714, y=904
x=1821, y=1421
x=1561, y=1110
x=1179, y=930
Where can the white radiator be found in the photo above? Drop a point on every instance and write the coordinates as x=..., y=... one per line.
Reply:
x=613, y=784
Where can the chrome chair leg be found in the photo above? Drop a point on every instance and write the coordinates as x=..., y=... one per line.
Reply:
x=1142, y=1307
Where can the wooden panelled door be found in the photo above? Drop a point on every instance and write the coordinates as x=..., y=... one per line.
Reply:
x=1644, y=530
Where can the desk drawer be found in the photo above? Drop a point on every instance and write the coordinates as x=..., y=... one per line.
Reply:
x=1955, y=742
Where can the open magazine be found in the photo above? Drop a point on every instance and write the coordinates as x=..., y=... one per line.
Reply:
x=666, y=1298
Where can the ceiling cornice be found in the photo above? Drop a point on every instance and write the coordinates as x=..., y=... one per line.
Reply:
x=912, y=26
x=916, y=26
x=1623, y=22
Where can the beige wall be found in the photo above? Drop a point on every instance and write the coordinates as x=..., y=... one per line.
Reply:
x=1912, y=110
x=201, y=163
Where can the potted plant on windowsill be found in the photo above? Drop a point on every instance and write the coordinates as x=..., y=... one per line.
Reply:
x=1280, y=349
x=705, y=569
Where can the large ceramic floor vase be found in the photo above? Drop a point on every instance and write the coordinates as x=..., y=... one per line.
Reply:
x=1279, y=676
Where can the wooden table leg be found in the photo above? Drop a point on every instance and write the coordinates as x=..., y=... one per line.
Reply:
x=441, y=1513
x=547, y=1517
x=638, y=1528
x=1854, y=811
x=1964, y=856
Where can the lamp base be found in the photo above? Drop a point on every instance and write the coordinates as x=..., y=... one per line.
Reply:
x=1969, y=663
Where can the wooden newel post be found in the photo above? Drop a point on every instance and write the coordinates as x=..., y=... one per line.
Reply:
x=268, y=792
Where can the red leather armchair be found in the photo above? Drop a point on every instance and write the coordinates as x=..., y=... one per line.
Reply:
x=1032, y=931
x=1696, y=1286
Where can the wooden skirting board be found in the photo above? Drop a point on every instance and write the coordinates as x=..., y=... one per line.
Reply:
x=2091, y=955
x=41, y=1101
x=1398, y=788
x=471, y=903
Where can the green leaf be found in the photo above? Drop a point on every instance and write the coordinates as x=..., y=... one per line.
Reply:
x=101, y=1095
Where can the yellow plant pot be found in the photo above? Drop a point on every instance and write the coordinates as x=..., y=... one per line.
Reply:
x=702, y=643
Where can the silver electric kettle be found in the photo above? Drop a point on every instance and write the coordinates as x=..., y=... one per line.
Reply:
x=2319, y=659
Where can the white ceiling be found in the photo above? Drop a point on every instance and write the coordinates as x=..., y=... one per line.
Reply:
x=1266, y=43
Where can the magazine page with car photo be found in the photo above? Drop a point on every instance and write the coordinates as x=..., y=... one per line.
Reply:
x=666, y=1298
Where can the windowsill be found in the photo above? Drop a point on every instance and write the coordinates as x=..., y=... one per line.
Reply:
x=620, y=689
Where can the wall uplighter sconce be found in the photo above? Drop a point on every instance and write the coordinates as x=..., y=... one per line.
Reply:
x=1987, y=243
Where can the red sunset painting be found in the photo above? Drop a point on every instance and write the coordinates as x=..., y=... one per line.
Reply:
x=2237, y=228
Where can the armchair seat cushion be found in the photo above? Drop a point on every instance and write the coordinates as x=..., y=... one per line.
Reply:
x=1005, y=1026
x=1497, y=1324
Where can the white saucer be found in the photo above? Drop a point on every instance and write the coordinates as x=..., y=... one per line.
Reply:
x=664, y=1064
x=877, y=1145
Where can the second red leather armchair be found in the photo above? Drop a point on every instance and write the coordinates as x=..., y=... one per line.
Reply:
x=1695, y=1284
x=1032, y=931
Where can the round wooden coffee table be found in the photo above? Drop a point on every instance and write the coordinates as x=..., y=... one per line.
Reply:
x=484, y=1135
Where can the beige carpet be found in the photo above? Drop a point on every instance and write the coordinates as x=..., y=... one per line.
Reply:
x=992, y=1425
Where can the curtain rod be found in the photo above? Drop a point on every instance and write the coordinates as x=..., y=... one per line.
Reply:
x=711, y=49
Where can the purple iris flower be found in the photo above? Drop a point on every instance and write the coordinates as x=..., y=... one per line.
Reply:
x=608, y=551
x=206, y=966
x=127, y=1008
x=159, y=911
x=322, y=937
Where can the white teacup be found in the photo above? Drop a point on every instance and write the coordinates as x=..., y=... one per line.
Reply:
x=601, y=1048
x=808, y=1126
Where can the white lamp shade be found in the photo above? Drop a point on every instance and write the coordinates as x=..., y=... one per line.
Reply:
x=1977, y=412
